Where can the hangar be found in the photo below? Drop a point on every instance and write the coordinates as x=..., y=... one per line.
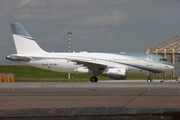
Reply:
x=170, y=49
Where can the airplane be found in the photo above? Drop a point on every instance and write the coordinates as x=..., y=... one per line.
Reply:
x=112, y=65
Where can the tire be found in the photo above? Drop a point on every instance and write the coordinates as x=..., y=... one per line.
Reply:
x=94, y=79
x=149, y=80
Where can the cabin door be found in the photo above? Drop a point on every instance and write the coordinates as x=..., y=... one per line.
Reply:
x=149, y=60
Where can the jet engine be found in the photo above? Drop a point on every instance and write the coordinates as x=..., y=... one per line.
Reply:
x=116, y=73
x=82, y=70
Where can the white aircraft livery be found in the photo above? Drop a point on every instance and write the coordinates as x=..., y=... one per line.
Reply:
x=113, y=65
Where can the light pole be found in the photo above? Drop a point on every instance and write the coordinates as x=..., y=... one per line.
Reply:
x=69, y=33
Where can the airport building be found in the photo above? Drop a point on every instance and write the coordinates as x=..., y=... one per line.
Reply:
x=170, y=49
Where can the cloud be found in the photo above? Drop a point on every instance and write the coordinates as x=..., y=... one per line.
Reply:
x=113, y=19
x=72, y=11
x=140, y=22
x=23, y=2
x=123, y=1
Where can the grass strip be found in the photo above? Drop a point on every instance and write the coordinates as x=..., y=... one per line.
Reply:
x=31, y=74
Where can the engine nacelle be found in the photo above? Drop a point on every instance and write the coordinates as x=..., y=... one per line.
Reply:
x=116, y=73
x=82, y=70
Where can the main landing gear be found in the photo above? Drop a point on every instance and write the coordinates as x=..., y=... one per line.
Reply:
x=94, y=79
x=148, y=78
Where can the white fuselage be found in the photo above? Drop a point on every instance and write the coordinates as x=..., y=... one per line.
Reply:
x=61, y=62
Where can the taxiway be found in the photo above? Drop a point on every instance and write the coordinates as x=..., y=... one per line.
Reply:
x=111, y=100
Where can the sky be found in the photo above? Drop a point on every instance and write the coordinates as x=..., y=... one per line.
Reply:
x=96, y=25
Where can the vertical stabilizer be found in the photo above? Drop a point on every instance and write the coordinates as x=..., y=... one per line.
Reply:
x=24, y=43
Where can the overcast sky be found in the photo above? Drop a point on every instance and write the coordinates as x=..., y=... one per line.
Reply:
x=96, y=25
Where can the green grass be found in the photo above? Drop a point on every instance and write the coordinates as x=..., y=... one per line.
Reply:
x=30, y=74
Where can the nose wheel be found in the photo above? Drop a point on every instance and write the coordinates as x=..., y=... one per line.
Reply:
x=94, y=79
x=148, y=78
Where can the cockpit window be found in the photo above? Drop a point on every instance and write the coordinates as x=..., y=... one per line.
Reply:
x=162, y=59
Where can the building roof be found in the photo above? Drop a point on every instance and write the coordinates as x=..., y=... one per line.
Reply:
x=169, y=44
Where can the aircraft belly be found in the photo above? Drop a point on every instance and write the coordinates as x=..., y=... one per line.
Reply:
x=136, y=70
x=57, y=66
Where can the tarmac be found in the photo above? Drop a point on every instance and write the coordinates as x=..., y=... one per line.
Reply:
x=112, y=100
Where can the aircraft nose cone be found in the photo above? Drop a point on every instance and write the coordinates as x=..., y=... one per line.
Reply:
x=171, y=67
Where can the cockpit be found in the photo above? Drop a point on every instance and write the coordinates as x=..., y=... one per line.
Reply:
x=163, y=59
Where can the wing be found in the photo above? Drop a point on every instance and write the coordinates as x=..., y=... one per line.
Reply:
x=91, y=65
x=96, y=66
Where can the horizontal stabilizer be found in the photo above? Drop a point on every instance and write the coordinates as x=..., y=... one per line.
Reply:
x=14, y=57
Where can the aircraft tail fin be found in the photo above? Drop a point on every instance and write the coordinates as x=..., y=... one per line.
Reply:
x=24, y=43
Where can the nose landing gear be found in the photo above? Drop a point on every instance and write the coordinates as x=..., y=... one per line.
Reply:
x=148, y=78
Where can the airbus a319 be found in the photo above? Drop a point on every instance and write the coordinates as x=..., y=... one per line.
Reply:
x=113, y=65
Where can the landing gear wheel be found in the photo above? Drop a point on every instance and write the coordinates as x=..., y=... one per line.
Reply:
x=94, y=79
x=148, y=78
